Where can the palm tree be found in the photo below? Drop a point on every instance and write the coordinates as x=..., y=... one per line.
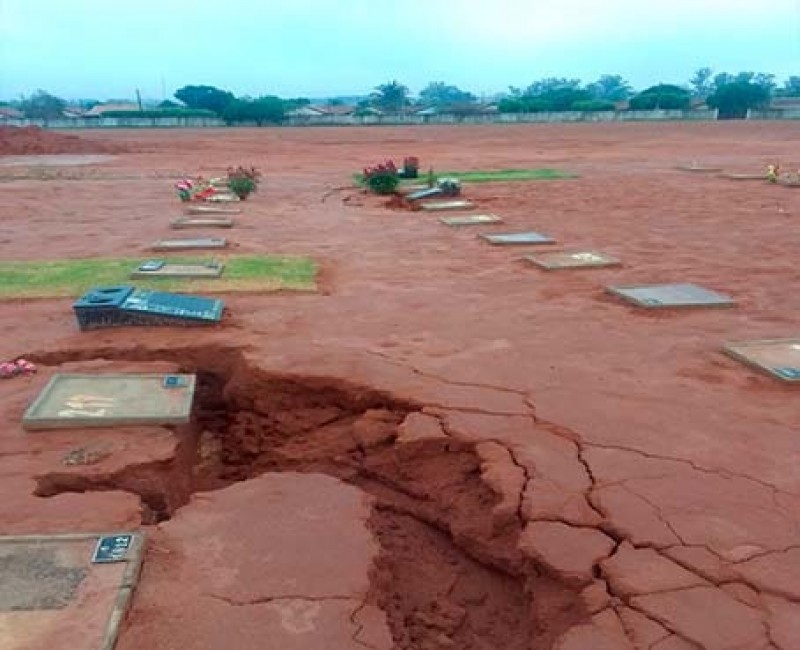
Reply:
x=390, y=97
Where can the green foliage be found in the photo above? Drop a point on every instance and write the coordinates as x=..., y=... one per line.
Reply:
x=167, y=112
x=42, y=105
x=438, y=93
x=733, y=100
x=551, y=94
x=610, y=88
x=593, y=105
x=507, y=175
x=663, y=96
x=701, y=82
x=264, y=110
x=242, y=186
x=390, y=97
x=168, y=103
x=791, y=87
x=205, y=97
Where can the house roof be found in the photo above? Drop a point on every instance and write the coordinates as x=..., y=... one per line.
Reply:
x=9, y=112
x=105, y=108
x=338, y=109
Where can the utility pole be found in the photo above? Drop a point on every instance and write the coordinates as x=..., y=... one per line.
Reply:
x=139, y=99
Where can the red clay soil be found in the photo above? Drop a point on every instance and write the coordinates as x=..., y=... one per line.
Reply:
x=522, y=460
x=28, y=140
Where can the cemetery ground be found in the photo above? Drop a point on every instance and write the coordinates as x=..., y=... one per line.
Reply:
x=443, y=446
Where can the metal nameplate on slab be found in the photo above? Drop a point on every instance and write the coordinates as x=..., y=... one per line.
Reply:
x=572, y=260
x=661, y=296
x=168, y=270
x=113, y=548
x=471, y=220
x=510, y=239
x=104, y=400
x=202, y=223
x=188, y=244
x=779, y=358
x=446, y=205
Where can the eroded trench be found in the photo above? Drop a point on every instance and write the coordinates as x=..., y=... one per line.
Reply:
x=448, y=574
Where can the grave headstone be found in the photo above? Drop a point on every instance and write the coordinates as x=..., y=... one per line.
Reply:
x=211, y=209
x=446, y=205
x=223, y=197
x=572, y=260
x=779, y=358
x=124, y=305
x=200, y=222
x=170, y=270
x=106, y=400
x=518, y=238
x=471, y=220
x=189, y=244
x=52, y=592
x=670, y=296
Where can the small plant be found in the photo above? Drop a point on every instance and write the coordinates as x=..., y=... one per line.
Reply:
x=243, y=181
x=382, y=178
x=773, y=172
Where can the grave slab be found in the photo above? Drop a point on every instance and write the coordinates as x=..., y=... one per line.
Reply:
x=559, y=260
x=471, y=220
x=124, y=305
x=745, y=177
x=779, y=358
x=53, y=596
x=169, y=270
x=105, y=400
x=223, y=198
x=189, y=244
x=671, y=296
x=701, y=169
x=446, y=205
x=199, y=222
x=518, y=238
x=211, y=209
x=424, y=193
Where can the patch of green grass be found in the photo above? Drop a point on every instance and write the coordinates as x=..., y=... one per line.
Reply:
x=486, y=176
x=71, y=278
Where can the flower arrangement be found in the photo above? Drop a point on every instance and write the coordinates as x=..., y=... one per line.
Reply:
x=243, y=181
x=197, y=189
x=382, y=178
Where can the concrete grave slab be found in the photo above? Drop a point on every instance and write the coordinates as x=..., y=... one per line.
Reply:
x=52, y=595
x=558, y=260
x=779, y=358
x=518, y=238
x=671, y=296
x=198, y=222
x=424, y=193
x=434, y=206
x=471, y=220
x=168, y=270
x=223, y=198
x=211, y=209
x=696, y=167
x=105, y=400
x=189, y=244
x=745, y=177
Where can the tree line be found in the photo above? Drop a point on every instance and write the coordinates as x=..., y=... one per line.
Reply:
x=732, y=94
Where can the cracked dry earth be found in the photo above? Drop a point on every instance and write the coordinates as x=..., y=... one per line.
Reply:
x=443, y=448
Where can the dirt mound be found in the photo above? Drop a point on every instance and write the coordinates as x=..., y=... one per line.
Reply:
x=17, y=141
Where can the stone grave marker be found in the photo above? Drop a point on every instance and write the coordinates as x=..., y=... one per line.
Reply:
x=779, y=358
x=671, y=296
x=125, y=305
x=166, y=269
x=211, y=209
x=110, y=399
x=559, y=260
x=202, y=222
x=434, y=206
x=697, y=167
x=52, y=595
x=471, y=220
x=518, y=238
x=189, y=244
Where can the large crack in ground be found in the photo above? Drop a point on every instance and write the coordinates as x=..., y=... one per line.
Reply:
x=449, y=573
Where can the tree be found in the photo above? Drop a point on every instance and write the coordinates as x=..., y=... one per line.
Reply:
x=734, y=99
x=168, y=103
x=551, y=84
x=610, y=88
x=264, y=110
x=207, y=97
x=663, y=96
x=791, y=87
x=42, y=105
x=390, y=97
x=701, y=82
x=438, y=93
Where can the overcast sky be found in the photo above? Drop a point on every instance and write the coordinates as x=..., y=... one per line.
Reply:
x=316, y=48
